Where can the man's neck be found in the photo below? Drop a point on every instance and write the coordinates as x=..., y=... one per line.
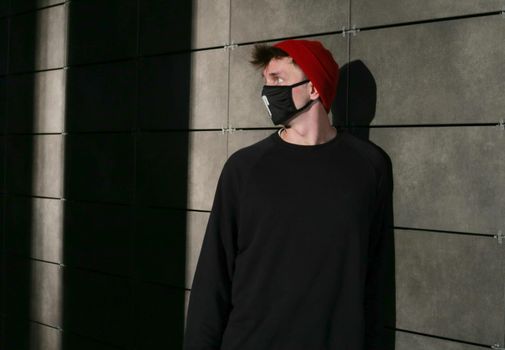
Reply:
x=311, y=127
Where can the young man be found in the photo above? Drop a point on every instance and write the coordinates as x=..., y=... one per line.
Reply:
x=298, y=250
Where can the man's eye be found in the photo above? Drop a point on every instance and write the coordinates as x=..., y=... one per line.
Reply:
x=280, y=80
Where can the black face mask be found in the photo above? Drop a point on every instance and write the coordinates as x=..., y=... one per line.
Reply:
x=279, y=101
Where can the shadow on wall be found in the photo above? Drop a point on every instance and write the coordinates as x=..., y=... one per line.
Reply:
x=93, y=251
x=353, y=111
x=126, y=174
x=19, y=273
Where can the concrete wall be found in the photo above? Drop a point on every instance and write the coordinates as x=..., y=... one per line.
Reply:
x=111, y=139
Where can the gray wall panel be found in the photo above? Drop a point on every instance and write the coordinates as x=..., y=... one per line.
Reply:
x=98, y=236
x=164, y=91
x=38, y=40
x=36, y=102
x=34, y=165
x=42, y=337
x=159, y=246
x=450, y=285
x=112, y=33
x=263, y=19
x=102, y=97
x=246, y=109
x=158, y=317
x=208, y=105
x=181, y=170
x=41, y=237
x=188, y=25
x=210, y=23
x=27, y=5
x=161, y=169
x=181, y=91
x=442, y=72
x=195, y=230
x=98, y=306
x=100, y=168
x=447, y=178
x=207, y=153
x=35, y=291
x=369, y=12
x=409, y=341
x=164, y=26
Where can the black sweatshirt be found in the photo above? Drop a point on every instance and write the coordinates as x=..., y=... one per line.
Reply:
x=297, y=250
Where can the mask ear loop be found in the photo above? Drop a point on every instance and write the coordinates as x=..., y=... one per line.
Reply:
x=298, y=111
x=299, y=83
x=305, y=106
x=308, y=103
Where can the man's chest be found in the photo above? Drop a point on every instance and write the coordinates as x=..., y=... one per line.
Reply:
x=283, y=202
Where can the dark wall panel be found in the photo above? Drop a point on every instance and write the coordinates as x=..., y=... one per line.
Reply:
x=110, y=35
x=99, y=167
x=102, y=97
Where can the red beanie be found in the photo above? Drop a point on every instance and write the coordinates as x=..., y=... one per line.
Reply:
x=318, y=65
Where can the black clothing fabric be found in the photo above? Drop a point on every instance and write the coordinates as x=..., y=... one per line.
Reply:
x=297, y=250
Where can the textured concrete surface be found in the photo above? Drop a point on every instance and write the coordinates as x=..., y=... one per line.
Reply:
x=110, y=134
x=263, y=19
x=366, y=13
x=441, y=72
x=38, y=40
x=447, y=178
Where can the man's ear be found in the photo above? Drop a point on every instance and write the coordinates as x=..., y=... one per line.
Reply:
x=313, y=91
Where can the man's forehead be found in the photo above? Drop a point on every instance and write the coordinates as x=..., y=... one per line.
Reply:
x=278, y=67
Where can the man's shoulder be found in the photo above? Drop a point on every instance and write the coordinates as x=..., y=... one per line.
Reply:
x=369, y=151
x=248, y=155
x=240, y=162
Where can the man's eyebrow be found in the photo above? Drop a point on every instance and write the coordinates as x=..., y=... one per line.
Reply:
x=273, y=74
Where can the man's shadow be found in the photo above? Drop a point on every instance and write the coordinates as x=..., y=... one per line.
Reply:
x=353, y=111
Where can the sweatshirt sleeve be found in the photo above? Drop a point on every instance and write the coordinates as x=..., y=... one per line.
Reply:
x=380, y=278
x=210, y=297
